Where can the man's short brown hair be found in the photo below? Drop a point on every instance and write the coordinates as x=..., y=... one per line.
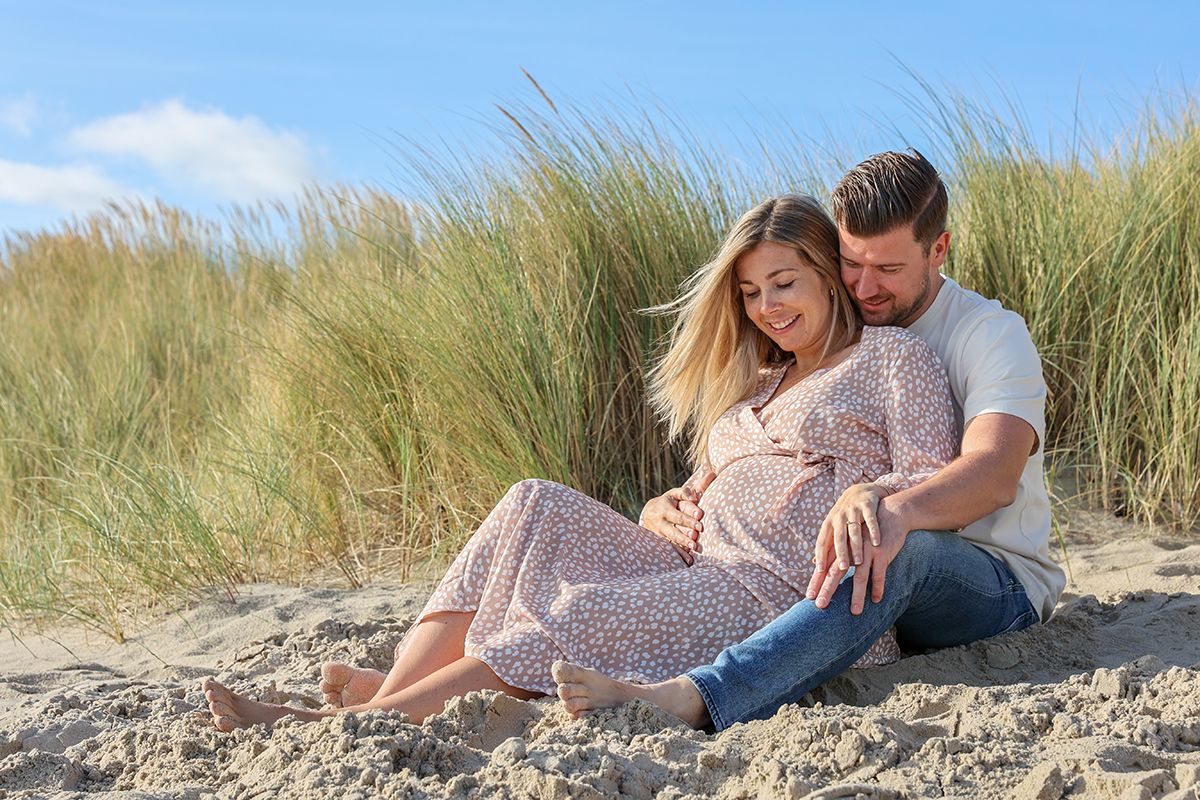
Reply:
x=889, y=190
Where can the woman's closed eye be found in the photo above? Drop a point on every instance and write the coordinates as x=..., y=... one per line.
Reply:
x=750, y=294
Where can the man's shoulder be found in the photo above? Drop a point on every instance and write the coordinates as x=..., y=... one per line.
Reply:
x=973, y=316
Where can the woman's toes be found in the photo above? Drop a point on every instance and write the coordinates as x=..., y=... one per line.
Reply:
x=564, y=672
x=336, y=674
x=226, y=724
x=568, y=690
x=577, y=705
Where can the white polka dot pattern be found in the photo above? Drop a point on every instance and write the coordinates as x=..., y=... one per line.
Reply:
x=552, y=573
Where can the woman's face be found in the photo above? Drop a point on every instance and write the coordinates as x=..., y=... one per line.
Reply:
x=785, y=298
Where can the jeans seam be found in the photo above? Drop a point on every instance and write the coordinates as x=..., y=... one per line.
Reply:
x=857, y=645
x=949, y=578
x=709, y=700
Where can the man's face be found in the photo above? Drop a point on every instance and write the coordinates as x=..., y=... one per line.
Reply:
x=890, y=276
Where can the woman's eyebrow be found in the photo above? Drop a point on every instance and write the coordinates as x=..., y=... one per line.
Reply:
x=770, y=275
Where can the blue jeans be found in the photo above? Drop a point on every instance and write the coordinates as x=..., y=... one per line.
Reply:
x=941, y=591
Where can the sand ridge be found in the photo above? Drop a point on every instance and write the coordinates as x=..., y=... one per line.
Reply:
x=1101, y=702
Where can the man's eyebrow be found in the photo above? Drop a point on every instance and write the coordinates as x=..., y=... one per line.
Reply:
x=771, y=275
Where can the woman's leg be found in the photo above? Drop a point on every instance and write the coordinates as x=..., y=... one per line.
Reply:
x=425, y=697
x=435, y=642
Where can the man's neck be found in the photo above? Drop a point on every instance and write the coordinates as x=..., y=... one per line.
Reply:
x=935, y=287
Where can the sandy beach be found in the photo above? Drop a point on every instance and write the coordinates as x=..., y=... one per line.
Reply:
x=1101, y=702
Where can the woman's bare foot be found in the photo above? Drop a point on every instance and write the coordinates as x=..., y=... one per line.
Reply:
x=230, y=710
x=343, y=685
x=582, y=689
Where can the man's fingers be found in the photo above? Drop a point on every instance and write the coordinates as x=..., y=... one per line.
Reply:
x=814, y=584
x=878, y=577
x=821, y=550
x=872, y=523
x=854, y=534
x=839, y=547
x=859, y=580
x=829, y=586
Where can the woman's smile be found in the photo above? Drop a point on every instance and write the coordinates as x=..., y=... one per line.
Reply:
x=783, y=326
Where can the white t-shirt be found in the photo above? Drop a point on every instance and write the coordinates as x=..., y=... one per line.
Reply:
x=994, y=368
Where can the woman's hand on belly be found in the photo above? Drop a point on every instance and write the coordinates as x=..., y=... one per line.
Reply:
x=675, y=516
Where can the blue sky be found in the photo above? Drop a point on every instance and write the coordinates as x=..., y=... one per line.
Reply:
x=205, y=104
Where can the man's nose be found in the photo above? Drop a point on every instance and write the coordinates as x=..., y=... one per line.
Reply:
x=866, y=286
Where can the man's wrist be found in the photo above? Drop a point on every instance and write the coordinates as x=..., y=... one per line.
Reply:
x=881, y=490
x=898, y=512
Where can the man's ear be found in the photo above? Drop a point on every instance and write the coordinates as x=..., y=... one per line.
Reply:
x=939, y=249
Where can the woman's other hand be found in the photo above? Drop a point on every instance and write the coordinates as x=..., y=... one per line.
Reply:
x=676, y=516
x=840, y=542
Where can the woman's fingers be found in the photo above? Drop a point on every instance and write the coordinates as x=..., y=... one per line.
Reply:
x=687, y=557
x=677, y=517
x=692, y=510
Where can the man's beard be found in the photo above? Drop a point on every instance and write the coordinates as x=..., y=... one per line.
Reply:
x=901, y=314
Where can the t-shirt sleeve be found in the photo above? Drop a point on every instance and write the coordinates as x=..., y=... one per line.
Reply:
x=1003, y=373
x=919, y=415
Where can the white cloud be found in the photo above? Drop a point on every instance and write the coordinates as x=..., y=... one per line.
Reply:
x=233, y=159
x=73, y=188
x=17, y=115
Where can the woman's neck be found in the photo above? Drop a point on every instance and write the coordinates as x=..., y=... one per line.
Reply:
x=807, y=362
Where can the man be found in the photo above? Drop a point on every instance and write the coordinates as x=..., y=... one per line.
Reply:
x=960, y=557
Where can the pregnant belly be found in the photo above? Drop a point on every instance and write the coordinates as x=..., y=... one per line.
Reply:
x=765, y=507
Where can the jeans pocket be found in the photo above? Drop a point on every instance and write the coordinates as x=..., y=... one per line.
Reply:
x=1022, y=621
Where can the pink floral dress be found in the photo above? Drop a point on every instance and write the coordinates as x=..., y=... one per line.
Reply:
x=553, y=574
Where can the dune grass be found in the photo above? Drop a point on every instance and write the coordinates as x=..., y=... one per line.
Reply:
x=345, y=386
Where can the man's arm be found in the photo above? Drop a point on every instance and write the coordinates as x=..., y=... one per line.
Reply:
x=984, y=478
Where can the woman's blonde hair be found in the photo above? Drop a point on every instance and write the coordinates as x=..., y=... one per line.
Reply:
x=715, y=352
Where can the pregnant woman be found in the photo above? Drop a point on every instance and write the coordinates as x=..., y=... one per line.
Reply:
x=789, y=401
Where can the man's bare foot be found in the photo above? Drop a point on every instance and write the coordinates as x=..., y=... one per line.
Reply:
x=230, y=710
x=582, y=689
x=343, y=685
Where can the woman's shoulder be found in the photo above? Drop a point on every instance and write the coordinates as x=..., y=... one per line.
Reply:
x=896, y=344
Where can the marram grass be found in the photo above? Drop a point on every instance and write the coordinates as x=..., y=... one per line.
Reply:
x=346, y=386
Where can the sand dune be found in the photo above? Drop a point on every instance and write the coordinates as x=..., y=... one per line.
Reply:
x=1102, y=702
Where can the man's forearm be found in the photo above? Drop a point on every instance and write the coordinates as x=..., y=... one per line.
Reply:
x=995, y=449
x=966, y=490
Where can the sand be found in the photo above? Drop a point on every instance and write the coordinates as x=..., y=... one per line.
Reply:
x=1101, y=702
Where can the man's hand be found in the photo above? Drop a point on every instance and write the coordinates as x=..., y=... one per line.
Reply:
x=837, y=543
x=676, y=517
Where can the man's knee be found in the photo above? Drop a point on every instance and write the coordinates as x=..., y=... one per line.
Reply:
x=922, y=548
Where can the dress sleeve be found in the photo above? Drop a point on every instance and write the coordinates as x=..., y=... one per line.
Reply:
x=919, y=414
